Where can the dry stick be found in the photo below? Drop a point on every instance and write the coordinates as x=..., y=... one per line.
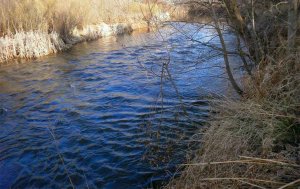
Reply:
x=270, y=161
x=252, y=161
x=290, y=184
x=278, y=115
x=251, y=184
x=224, y=162
x=242, y=178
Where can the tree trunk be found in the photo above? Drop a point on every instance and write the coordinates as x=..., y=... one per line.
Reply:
x=225, y=54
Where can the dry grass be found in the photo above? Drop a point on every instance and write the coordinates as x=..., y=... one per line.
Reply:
x=252, y=143
x=34, y=28
x=248, y=145
x=63, y=16
x=30, y=45
x=34, y=44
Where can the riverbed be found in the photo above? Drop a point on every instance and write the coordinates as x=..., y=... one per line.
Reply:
x=118, y=112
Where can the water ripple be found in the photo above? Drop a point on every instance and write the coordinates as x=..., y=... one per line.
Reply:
x=98, y=107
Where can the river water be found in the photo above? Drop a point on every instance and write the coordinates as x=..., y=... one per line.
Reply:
x=102, y=115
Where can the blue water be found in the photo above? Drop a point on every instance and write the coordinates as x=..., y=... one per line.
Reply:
x=101, y=115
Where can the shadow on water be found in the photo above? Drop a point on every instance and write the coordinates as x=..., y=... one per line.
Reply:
x=115, y=121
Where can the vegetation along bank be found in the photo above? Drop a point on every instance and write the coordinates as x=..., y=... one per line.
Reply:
x=252, y=142
x=35, y=28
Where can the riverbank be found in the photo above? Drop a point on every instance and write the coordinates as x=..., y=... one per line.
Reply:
x=33, y=29
x=34, y=44
x=254, y=142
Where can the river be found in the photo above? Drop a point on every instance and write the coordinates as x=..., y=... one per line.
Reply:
x=102, y=115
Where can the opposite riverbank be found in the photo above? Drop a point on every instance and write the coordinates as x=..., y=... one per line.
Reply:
x=34, y=44
x=32, y=29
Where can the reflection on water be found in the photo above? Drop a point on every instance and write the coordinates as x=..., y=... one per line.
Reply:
x=102, y=102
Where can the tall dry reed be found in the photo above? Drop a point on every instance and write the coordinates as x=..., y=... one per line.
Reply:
x=63, y=16
x=34, y=28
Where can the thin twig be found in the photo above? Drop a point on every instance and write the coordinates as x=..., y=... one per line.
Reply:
x=242, y=178
x=290, y=184
x=251, y=184
x=61, y=157
x=223, y=162
x=270, y=161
